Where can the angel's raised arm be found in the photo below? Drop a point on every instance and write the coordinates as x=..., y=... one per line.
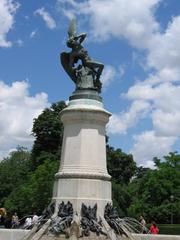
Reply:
x=81, y=37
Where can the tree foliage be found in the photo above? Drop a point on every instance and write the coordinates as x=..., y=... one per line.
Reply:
x=36, y=193
x=48, y=133
x=121, y=166
x=14, y=171
x=151, y=194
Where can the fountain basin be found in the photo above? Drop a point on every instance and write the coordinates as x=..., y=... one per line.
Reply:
x=12, y=234
x=18, y=234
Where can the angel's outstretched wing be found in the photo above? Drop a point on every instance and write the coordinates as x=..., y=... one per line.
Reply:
x=64, y=57
x=72, y=28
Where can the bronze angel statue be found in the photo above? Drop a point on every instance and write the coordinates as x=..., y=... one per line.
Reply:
x=85, y=74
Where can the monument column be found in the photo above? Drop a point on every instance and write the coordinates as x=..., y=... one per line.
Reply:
x=83, y=177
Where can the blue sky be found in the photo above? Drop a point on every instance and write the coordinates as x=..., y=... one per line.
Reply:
x=138, y=42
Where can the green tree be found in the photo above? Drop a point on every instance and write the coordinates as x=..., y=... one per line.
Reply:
x=36, y=193
x=152, y=193
x=48, y=132
x=121, y=166
x=121, y=198
x=141, y=171
x=14, y=171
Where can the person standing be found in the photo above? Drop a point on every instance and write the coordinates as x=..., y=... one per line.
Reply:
x=153, y=228
x=35, y=218
x=143, y=225
x=15, y=220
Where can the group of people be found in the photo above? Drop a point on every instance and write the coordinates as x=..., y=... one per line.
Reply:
x=153, y=228
x=29, y=221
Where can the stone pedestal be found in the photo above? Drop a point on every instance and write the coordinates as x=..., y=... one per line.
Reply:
x=83, y=177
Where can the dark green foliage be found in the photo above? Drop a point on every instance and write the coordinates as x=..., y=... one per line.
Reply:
x=121, y=166
x=48, y=133
x=141, y=171
x=35, y=194
x=121, y=198
x=14, y=171
x=151, y=194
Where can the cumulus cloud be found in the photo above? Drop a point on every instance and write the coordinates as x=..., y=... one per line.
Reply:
x=111, y=73
x=50, y=22
x=108, y=75
x=17, y=111
x=148, y=145
x=164, y=101
x=119, y=123
x=164, y=52
x=8, y=9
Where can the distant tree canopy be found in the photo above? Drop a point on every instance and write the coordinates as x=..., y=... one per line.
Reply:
x=14, y=171
x=26, y=178
x=151, y=193
x=35, y=194
x=121, y=166
x=48, y=132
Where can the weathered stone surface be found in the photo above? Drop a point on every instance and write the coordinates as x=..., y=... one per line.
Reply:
x=156, y=237
x=83, y=176
x=12, y=234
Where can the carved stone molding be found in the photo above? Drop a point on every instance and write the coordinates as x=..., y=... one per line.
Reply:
x=83, y=175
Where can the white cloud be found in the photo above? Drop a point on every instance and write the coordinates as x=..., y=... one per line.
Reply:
x=148, y=145
x=166, y=123
x=8, y=9
x=50, y=22
x=108, y=75
x=164, y=52
x=17, y=111
x=165, y=105
x=164, y=99
x=33, y=33
x=119, y=123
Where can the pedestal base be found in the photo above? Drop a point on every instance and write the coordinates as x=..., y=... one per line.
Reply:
x=83, y=177
x=87, y=191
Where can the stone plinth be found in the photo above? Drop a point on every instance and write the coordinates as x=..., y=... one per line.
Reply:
x=12, y=234
x=18, y=234
x=83, y=177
